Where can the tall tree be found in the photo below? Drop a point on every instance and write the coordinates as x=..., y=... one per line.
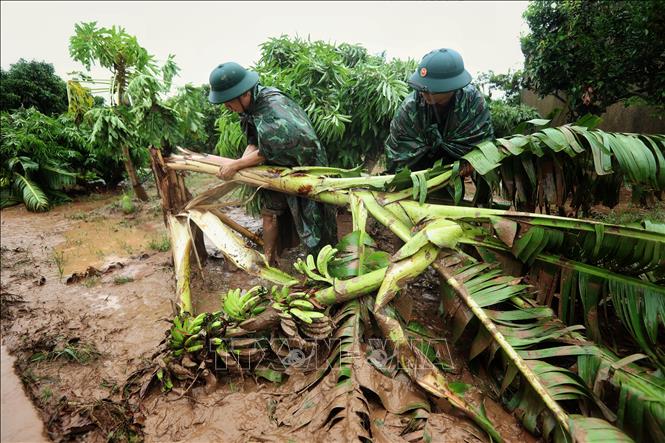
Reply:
x=592, y=54
x=114, y=49
x=32, y=83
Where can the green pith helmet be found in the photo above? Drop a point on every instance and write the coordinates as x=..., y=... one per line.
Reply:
x=441, y=70
x=229, y=81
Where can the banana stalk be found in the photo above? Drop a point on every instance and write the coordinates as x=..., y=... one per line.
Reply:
x=235, y=250
x=181, y=246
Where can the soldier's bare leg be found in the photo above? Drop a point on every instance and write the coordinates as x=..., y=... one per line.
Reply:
x=270, y=238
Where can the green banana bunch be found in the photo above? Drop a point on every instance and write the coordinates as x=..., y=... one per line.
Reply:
x=310, y=268
x=238, y=306
x=244, y=353
x=294, y=304
x=216, y=325
x=279, y=295
x=188, y=334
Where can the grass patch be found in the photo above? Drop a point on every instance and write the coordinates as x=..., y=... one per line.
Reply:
x=127, y=204
x=45, y=394
x=59, y=259
x=126, y=247
x=122, y=280
x=195, y=180
x=161, y=245
x=92, y=281
x=634, y=214
x=71, y=351
x=80, y=215
x=28, y=377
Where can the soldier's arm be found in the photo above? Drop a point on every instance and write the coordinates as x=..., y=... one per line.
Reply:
x=249, y=149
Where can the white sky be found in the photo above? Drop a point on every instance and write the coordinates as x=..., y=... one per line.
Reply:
x=204, y=34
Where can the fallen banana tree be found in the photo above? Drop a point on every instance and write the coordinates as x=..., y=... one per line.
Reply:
x=561, y=384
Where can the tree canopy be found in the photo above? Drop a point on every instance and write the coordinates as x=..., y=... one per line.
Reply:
x=32, y=83
x=594, y=53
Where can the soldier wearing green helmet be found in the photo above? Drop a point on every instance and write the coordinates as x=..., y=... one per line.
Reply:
x=278, y=133
x=442, y=119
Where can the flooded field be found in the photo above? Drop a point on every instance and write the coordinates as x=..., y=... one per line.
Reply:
x=87, y=293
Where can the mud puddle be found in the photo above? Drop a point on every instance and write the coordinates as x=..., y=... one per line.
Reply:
x=20, y=421
x=99, y=240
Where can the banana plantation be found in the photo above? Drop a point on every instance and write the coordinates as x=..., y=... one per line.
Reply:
x=523, y=301
x=564, y=316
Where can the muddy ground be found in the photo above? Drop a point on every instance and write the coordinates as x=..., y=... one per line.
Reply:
x=87, y=291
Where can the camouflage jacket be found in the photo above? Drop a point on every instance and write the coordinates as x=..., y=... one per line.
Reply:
x=417, y=138
x=282, y=132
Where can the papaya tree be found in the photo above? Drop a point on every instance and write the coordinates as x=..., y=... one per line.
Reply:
x=116, y=128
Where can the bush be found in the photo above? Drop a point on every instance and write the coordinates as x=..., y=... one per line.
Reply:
x=506, y=117
x=37, y=157
x=32, y=84
x=349, y=95
x=127, y=204
x=42, y=157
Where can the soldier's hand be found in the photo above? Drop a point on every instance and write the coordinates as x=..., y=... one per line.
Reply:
x=227, y=170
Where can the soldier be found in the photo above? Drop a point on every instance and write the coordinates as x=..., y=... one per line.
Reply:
x=278, y=133
x=442, y=119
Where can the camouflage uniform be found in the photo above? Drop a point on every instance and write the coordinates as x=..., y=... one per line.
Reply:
x=417, y=138
x=285, y=137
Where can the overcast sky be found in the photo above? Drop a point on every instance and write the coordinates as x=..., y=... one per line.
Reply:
x=204, y=34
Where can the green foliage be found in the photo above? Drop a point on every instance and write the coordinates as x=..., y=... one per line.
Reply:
x=137, y=117
x=80, y=100
x=40, y=157
x=32, y=84
x=507, y=117
x=232, y=140
x=127, y=205
x=502, y=93
x=507, y=85
x=349, y=95
x=122, y=280
x=71, y=351
x=196, y=118
x=536, y=169
x=161, y=245
x=112, y=48
x=596, y=52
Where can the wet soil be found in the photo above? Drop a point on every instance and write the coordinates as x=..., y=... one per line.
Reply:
x=76, y=344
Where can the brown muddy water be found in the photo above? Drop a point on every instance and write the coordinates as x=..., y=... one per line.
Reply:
x=76, y=344
x=20, y=422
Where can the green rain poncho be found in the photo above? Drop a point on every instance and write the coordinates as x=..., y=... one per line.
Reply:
x=417, y=138
x=285, y=137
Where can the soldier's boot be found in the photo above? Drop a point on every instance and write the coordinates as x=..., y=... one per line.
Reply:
x=271, y=238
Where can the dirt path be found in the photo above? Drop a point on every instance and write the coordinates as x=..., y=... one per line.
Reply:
x=76, y=343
